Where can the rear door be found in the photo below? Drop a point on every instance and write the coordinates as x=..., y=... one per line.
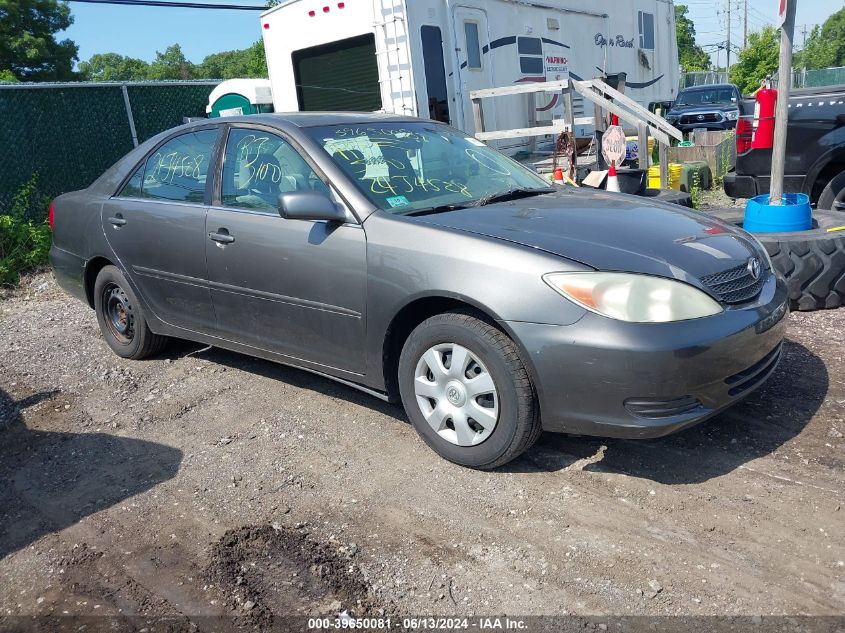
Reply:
x=294, y=287
x=156, y=227
x=475, y=69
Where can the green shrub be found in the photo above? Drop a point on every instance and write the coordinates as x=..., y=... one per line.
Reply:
x=24, y=235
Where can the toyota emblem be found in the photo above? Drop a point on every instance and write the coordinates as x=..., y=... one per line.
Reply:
x=700, y=117
x=754, y=268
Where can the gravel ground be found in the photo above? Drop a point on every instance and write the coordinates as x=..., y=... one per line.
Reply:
x=205, y=483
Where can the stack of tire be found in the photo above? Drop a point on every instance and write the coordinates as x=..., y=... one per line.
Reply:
x=813, y=261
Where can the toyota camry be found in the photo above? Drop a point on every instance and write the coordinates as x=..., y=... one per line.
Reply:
x=406, y=259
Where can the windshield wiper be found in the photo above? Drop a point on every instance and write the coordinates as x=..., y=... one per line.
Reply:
x=438, y=209
x=510, y=194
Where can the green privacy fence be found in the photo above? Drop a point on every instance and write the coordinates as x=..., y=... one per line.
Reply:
x=68, y=134
x=818, y=78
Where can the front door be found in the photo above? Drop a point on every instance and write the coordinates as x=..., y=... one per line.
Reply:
x=294, y=287
x=156, y=227
x=475, y=67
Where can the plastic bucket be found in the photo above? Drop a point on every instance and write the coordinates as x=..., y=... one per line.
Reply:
x=654, y=177
x=793, y=214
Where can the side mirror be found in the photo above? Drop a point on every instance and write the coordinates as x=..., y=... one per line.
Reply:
x=310, y=205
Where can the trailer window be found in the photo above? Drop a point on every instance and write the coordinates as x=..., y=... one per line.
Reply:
x=341, y=75
x=473, y=45
x=530, y=51
x=435, y=73
x=646, y=30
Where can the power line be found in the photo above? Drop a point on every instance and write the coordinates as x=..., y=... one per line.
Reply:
x=177, y=4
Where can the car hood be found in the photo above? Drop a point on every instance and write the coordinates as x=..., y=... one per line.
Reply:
x=611, y=232
x=706, y=107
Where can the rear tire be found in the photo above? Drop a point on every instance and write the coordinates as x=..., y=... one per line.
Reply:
x=812, y=262
x=122, y=319
x=441, y=402
x=833, y=195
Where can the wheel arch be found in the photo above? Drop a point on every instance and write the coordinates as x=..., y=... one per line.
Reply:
x=417, y=310
x=823, y=171
x=92, y=268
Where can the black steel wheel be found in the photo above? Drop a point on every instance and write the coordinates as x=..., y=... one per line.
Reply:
x=121, y=317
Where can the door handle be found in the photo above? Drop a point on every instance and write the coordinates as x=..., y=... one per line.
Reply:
x=221, y=237
x=117, y=221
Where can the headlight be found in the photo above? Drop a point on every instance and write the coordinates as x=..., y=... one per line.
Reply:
x=634, y=298
x=732, y=115
x=671, y=118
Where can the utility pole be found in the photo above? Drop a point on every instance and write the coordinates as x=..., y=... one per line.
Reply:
x=782, y=109
x=745, y=27
x=804, y=42
x=728, y=63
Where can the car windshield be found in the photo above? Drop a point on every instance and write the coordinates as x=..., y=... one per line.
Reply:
x=416, y=168
x=701, y=97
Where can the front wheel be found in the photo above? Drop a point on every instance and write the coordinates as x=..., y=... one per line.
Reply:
x=467, y=392
x=121, y=317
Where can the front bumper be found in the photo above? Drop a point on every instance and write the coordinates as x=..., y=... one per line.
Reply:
x=639, y=380
x=709, y=125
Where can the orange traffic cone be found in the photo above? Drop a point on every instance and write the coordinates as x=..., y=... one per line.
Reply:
x=559, y=175
x=612, y=180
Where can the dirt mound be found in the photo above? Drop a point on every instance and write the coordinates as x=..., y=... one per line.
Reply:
x=269, y=573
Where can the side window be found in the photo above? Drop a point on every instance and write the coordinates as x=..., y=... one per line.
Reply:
x=473, y=45
x=178, y=169
x=258, y=166
x=646, y=21
x=132, y=189
x=530, y=51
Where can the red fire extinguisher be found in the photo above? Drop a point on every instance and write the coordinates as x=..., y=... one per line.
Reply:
x=764, y=118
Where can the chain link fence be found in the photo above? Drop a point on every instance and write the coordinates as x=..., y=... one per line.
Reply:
x=66, y=135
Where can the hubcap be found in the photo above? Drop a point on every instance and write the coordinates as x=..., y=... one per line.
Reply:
x=456, y=394
x=118, y=313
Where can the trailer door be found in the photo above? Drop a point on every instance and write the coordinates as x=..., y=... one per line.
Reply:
x=475, y=69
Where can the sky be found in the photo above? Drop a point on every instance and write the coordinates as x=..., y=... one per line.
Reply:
x=141, y=31
x=711, y=19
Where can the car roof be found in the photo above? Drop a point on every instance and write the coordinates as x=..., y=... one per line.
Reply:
x=311, y=119
x=708, y=87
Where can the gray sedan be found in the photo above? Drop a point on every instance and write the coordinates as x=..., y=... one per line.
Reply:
x=403, y=258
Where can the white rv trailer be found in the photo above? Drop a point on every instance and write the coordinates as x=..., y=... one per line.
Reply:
x=423, y=57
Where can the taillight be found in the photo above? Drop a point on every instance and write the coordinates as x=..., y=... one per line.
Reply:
x=50, y=216
x=744, y=134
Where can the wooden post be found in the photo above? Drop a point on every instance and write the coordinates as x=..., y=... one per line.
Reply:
x=643, y=143
x=532, y=118
x=664, y=166
x=477, y=115
x=570, y=122
x=782, y=108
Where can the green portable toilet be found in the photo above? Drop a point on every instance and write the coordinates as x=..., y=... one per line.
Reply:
x=236, y=97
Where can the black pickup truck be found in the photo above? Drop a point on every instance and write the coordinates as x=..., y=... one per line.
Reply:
x=815, y=150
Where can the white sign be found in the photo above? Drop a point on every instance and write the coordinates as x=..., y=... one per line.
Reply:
x=613, y=145
x=781, y=12
x=239, y=111
x=557, y=69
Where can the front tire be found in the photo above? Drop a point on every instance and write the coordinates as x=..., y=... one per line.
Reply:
x=121, y=317
x=467, y=392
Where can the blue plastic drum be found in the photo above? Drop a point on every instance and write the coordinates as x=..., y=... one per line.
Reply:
x=793, y=214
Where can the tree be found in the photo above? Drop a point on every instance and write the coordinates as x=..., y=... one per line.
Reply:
x=247, y=62
x=114, y=67
x=826, y=45
x=28, y=46
x=691, y=55
x=757, y=60
x=171, y=64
